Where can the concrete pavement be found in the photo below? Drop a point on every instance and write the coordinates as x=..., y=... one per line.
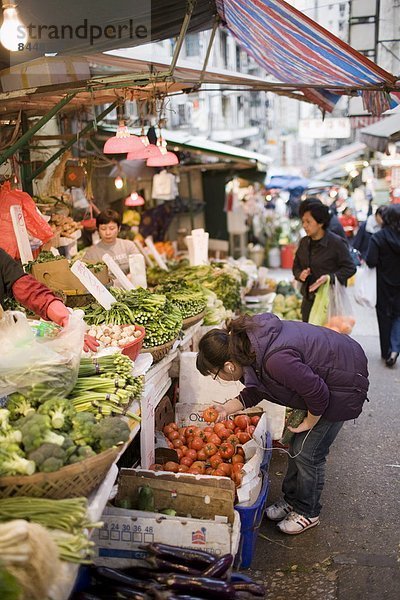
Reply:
x=354, y=553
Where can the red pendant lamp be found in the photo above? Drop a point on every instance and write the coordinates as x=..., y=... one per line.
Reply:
x=144, y=153
x=134, y=200
x=169, y=159
x=122, y=142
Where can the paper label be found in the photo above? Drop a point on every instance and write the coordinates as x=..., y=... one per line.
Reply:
x=21, y=234
x=156, y=254
x=137, y=268
x=117, y=272
x=92, y=284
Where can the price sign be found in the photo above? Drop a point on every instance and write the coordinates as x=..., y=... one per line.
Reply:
x=117, y=272
x=21, y=234
x=155, y=253
x=92, y=284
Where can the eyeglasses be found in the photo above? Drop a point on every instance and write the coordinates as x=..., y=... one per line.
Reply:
x=216, y=374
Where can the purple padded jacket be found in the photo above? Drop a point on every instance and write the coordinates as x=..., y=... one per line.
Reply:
x=304, y=366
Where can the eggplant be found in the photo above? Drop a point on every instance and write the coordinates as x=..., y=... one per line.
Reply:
x=203, y=586
x=255, y=589
x=195, y=558
x=165, y=565
x=123, y=579
x=219, y=567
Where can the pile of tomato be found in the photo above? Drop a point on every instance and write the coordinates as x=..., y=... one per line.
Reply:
x=213, y=450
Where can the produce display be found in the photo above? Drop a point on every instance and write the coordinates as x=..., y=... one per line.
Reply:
x=215, y=312
x=48, y=436
x=65, y=226
x=287, y=302
x=173, y=573
x=224, y=280
x=43, y=257
x=215, y=450
x=188, y=298
x=162, y=320
x=114, y=335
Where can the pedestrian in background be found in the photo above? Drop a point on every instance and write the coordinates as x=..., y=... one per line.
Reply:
x=348, y=222
x=320, y=254
x=384, y=254
x=366, y=230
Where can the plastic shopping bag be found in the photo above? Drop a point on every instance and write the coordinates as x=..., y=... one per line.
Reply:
x=35, y=224
x=340, y=312
x=319, y=310
x=39, y=367
x=365, y=287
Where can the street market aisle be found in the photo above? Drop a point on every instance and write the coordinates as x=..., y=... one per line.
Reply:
x=353, y=554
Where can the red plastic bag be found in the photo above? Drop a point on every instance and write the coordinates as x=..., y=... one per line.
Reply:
x=35, y=224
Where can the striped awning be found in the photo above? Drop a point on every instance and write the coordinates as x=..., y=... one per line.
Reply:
x=296, y=50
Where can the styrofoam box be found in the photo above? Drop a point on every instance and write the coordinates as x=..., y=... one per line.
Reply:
x=117, y=543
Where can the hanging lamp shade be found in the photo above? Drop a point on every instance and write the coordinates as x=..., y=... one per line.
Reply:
x=134, y=200
x=169, y=159
x=122, y=142
x=143, y=153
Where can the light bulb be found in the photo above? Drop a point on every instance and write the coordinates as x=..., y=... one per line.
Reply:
x=12, y=31
x=119, y=182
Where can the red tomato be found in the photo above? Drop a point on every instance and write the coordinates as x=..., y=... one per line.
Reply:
x=210, y=449
x=185, y=460
x=195, y=471
x=250, y=429
x=210, y=415
x=237, y=459
x=242, y=421
x=201, y=454
x=192, y=430
x=197, y=443
x=167, y=429
x=215, y=461
x=182, y=430
x=240, y=451
x=244, y=437
x=226, y=450
x=219, y=473
x=183, y=469
x=203, y=435
x=254, y=420
x=184, y=450
x=237, y=430
x=209, y=471
x=233, y=439
x=218, y=427
x=208, y=429
x=237, y=468
x=170, y=445
x=214, y=439
x=191, y=454
x=199, y=464
x=179, y=453
x=156, y=467
x=237, y=478
x=177, y=443
x=226, y=468
x=171, y=466
x=225, y=433
x=229, y=424
x=173, y=425
x=173, y=435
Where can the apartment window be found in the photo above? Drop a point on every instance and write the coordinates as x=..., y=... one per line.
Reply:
x=238, y=62
x=342, y=9
x=192, y=44
x=225, y=106
x=341, y=25
x=182, y=114
x=239, y=103
x=224, y=48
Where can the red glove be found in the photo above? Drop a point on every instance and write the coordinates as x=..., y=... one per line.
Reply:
x=90, y=343
x=58, y=313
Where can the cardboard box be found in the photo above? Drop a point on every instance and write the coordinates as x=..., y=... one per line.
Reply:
x=216, y=528
x=44, y=71
x=57, y=275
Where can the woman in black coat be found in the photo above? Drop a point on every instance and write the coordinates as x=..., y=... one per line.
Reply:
x=320, y=253
x=384, y=254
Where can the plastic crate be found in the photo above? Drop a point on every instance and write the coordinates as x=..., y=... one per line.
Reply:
x=267, y=454
x=250, y=521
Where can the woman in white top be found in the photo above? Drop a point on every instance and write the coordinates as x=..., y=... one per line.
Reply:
x=109, y=225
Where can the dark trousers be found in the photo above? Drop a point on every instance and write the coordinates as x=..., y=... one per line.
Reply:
x=306, y=307
x=389, y=332
x=305, y=477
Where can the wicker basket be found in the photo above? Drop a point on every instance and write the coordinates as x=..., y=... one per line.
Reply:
x=158, y=352
x=69, y=482
x=193, y=320
x=74, y=300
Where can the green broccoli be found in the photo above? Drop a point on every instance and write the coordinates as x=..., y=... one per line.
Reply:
x=82, y=453
x=4, y=419
x=36, y=430
x=110, y=432
x=69, y=447
x=60, y=412
x=11, y=436
x=12, y=463
x=48, y=457
x=19, y=406
x=82, y=429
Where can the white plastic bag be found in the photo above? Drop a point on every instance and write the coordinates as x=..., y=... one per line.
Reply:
x=340, y=311
x=365, y=286
x=275, y=414
x=37, y=367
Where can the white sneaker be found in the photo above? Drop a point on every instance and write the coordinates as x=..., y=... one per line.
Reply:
x=278, y=511
x=295, y=523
